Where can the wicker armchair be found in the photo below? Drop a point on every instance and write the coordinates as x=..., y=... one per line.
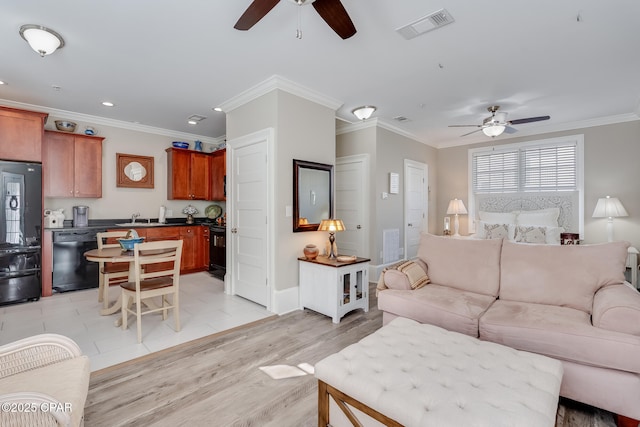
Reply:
x=44, y=381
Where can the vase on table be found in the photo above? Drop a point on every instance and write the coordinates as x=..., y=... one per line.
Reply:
x=311, y=252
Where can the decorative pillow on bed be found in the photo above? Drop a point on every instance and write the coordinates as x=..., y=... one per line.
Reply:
x=497, y=217
x=544, y=217
x=530, y=234
x=494, y=231
x=537, y=234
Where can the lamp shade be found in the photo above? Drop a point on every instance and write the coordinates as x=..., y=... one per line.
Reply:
x=363, y=113
x=609, y=207
x=456, y=207
x=331, y=225
x=41, y=39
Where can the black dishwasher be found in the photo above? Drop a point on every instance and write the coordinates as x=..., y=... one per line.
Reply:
x=71, y=270
x=217, y=251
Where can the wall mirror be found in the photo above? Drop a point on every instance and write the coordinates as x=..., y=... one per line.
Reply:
x=134, y=171
x=312, y=194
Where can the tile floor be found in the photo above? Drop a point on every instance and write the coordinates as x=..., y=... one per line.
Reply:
x=204, y=309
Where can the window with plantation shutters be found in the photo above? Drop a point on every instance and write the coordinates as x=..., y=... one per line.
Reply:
x=525, y=168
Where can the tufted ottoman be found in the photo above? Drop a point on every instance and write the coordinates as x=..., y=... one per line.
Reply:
x=413, y=374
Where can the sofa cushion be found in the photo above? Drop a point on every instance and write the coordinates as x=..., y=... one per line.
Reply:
x=617, y=308
x=467, y=264
x=560, y=332
x=566, y=275
x=438, y=305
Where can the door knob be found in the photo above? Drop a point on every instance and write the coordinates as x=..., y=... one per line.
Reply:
x=410, y=225
x=358, y=226
x=234, y=230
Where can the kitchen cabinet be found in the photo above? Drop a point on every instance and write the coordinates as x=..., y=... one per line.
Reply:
x=21, y=133
x=188, y=174
x=195, y=247
x=72, y=165
x=219, y=175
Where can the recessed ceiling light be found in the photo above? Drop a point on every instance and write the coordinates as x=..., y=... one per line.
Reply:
x=2, y=83
x=192, y=122
x=218, y=109
x=108, y=104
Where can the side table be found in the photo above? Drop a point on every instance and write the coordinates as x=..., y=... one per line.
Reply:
x=334, y=288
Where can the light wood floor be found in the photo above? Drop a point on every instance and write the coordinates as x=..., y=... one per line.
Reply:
x=215, y=380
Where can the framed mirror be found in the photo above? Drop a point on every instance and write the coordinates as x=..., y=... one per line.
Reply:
x=312, y=194
x=134, y=171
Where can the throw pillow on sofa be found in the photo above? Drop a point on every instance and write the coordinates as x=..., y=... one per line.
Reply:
x=403, y=275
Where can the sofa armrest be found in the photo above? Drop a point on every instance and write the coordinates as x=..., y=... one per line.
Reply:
x=617, y=308
x=34, y=352
x=31, y=409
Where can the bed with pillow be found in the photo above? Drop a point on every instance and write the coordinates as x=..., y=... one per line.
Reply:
x=527, y=218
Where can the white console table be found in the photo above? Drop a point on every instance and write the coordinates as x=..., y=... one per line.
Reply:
x=334, y=288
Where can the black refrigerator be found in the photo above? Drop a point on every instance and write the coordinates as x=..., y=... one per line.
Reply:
x=20, y=231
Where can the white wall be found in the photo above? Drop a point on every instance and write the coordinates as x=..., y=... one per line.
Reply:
x=119, y=202
x=303, y=130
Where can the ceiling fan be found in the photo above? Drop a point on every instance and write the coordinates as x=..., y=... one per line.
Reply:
x=332, y=11
x=498, y=123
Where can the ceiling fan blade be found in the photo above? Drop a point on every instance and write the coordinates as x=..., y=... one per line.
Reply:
x=509, y=129
x=465, y=126
x=255, y=12
x=529, y=120
x=335, y=15
x=473, y=131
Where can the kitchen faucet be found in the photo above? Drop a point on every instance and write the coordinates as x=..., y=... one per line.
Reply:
x=134, y=216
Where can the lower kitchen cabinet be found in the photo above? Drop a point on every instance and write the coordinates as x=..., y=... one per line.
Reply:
x=195, y=249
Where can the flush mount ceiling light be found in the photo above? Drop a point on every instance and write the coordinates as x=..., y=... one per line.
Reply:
x=364, y=112
x=41, y=39
x=493, y=130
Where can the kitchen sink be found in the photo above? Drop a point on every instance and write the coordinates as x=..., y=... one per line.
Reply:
x=141, y=224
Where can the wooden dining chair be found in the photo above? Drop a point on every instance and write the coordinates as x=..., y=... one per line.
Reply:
x=110, y=272
x=162, y=280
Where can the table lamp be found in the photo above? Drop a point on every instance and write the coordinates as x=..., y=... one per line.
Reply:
x=609, y=207
x=331, y=225
x=456, y=207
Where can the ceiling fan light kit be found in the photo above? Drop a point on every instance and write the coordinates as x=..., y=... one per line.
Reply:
x=497, y=124
x=364, y=112
x=43, y=40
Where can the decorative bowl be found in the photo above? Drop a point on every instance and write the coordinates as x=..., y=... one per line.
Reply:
x=127, y=244
x=179, y=144
x=65, y=126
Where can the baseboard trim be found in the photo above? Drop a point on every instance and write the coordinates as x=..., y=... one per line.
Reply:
x=286, y=300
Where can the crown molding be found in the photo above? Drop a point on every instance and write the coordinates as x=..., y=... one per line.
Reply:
x=277, y=82
x=71, y=115
x=376, y=122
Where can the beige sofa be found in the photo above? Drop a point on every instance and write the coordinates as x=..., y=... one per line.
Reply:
x=567, y=302
x=44, y=381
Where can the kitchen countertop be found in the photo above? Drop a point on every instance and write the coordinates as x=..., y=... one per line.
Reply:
x=100, y=224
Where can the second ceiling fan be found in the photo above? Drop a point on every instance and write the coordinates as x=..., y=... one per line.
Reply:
x=332, y=11
x=498, y=123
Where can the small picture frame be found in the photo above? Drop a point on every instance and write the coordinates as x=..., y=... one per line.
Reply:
x=134, y=171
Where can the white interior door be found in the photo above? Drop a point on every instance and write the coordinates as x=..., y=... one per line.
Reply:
x=249, y=218
x=351, y=196
x=416, y=187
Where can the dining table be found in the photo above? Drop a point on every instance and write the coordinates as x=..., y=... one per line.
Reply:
x=120, y=255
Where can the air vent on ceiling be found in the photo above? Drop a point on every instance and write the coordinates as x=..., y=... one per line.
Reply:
x=400, y=119
x=425, y=24
x=196, y=118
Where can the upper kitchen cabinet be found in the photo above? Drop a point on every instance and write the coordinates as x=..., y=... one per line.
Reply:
x=188, y=174
x=21, y=134
x=219, y=175
x=72, y=165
